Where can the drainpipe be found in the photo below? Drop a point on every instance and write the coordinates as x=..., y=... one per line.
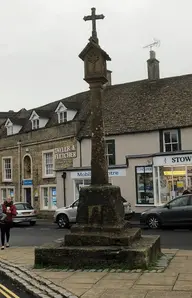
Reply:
x=80, y=153
x=64, y=188
x=19, y=172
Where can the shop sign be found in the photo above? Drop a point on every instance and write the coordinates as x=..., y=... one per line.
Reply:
x=27, y=182
x=111, y=173
x=172, y=160
x=65, y=152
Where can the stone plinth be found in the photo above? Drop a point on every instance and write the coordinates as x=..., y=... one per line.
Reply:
x=139, y=255
x=100, y=209
x=101, y=236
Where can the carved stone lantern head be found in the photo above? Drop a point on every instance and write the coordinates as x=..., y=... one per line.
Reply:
x=95, y=66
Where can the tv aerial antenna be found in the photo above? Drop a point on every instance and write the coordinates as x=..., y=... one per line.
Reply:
x=155, y=43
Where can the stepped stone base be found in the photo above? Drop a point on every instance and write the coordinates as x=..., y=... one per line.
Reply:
x=138, y=255
x=124, y=238
x=101, y=237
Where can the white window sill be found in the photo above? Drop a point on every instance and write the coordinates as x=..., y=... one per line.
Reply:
x=7, y=180
x=145, y=205
x=48, y=176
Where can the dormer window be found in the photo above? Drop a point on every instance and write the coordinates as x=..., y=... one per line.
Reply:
x=65, y=112
x=13, y=125
x=35, y=124
x=62, y=116
x=10, y=130
x=39, y=119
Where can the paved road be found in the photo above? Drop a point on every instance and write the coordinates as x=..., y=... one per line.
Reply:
x=11, y=290
x=45, y=232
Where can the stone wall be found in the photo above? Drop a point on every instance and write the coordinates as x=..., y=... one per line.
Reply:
x=33, y=144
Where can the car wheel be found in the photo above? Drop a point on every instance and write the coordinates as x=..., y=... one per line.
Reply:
x=32, y=223
x=153, y=222
x=63, y=221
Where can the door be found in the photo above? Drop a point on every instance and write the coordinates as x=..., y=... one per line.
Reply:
x=176, y=211
x=27, y=195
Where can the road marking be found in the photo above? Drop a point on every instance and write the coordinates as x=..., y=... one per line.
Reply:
x=4, y=294
x=3, y=288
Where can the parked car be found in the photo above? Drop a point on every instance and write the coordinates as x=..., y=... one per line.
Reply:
x=66, y=216
x=177, y=212
x=25, y=214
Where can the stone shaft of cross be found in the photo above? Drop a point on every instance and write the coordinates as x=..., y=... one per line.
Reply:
x=93, y=17
x=99, y=169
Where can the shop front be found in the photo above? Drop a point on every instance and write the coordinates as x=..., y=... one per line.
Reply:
x=172, y=174
x=83, y=178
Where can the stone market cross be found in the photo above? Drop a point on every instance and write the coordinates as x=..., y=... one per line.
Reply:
x=100, y=235
x=93, y=17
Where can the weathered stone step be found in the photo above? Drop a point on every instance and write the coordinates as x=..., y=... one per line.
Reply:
x=139, y=255
x=125, y=238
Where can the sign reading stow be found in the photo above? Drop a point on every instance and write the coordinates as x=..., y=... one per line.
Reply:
x=182, y=159
x=173, y=160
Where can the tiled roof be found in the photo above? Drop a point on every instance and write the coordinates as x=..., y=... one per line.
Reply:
x=18, y=121
x=127, y=108
x=77, y=102
x=145, y=106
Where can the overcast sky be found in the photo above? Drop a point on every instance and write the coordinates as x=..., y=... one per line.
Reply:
x=40, y=41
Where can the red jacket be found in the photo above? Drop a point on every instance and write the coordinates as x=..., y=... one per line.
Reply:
x=13, y=213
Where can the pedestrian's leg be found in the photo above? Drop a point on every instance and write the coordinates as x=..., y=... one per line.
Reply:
x=7, y=232
x=2, y=236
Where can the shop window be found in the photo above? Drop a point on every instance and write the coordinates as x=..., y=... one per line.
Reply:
x=172, y=182
x=170, y=140
x=110, y=152
x=48, y=198
x=144, y=185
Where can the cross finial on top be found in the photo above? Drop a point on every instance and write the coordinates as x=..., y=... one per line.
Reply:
x=93, y=17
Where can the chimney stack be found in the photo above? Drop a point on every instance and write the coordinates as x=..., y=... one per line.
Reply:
x=153, y=67
x=108, y=78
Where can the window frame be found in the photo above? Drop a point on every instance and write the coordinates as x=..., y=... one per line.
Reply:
x=7, y=190
x=10, y=130
x=49, y=188
x=35, y=123
x=44, y=173
x=107, y=154
x=62, y=116
x=4, y=179
x=162, y=140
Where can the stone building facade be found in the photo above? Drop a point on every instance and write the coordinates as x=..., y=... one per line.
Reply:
x=33, y=145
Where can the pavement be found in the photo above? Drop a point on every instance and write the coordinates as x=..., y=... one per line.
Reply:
x=175, y=281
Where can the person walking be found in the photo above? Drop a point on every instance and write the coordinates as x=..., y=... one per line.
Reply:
x=9, y=209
